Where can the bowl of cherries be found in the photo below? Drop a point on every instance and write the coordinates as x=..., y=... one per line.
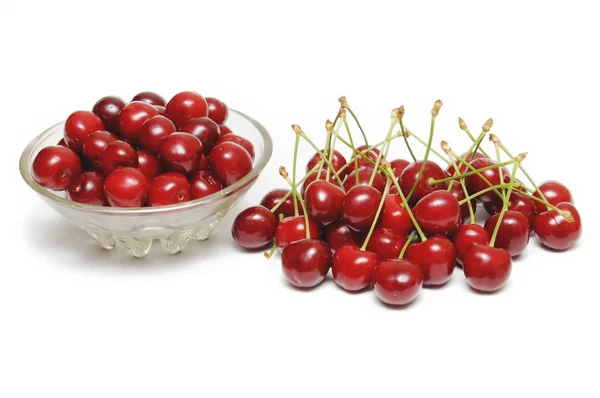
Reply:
x=129, y=173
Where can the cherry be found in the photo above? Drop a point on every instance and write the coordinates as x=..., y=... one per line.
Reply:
x=88, y=188
x=513, y=233
x=254, y=228
x=204, y=183
x=217, y=110
x=206, y=130
x=167, y=189
x=108, y=109
x=241, y=141
x=203, y=163
x=337, y=160
x=306, y=262
x=180, y=152
x=386, y=244
x=324, y=201
x=56, y=167
x=118, y=154
x=397, y=282
x=273, y=197
x=360, y=206
x=476, y=183
x=291, y=229
x=373, y=154
x=411, y=174
x=224, y=130
x=78, y=126
x=459, y=194
x=518, y=202
x=364, y=176
x=554, y=192
x=338, y=234
x=467, y=236
x=148, y=164
x=149, y=97
x=132, y=118
x=95, y=144
x=554, y=231
x=398, y=165
x=353, y=268
x=184, y=106
x=436, y=256
x=230, y=162
x=395, y=217
x=153, y=131
x=463, y=168
x=487, y=268
x=126, y=187
x=438, y=213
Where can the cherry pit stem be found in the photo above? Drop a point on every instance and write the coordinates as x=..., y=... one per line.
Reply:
x=344, y=104
x=403, y=131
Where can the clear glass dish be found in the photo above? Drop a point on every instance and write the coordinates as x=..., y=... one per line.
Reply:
x=135, y=229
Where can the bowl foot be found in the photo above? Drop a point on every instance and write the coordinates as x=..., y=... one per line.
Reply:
x=176, y=243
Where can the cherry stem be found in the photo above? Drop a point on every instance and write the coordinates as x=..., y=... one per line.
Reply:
x=505, y=203
x=379, y=208
x=464, y=127
x=285, y=175
x=470, y=166
x=353, y=149
x=296, y=144
x=332, y=148
x=287, y=195
x=551, y=206
x=390, y=174
x=345, y=105
x=486, y=190
x=464, y=188
x=387, y=138
x=500, y=173
x=269, y=254
x=408, y=242
x=471, y=150
x=469, y=173
x=322, y=161
x=416, y=137
x=363, y=153
x=404, y=133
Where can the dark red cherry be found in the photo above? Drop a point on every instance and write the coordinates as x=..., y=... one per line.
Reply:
x=554, y=192
x=518, y=202
x=438, y=213
x=386, y=244
x=437, y=258
x=398, y=165
x=372, y=154
x=459, y=194
x=204, y=129
x=360, y=207
x=88, y=188
x=149, y=97
x=224, y=130
x=203, y=163
x=467, y=236
x=78, y=126
x=241, y=141
x=353, y=268
x=95, y=144
x=397, y=282
x=337, y=160
x=118, y=154
x=204, y=183
x=126, y=187
x=306, y=262
x=338, y=234
x=217, y=110
x=513, y=234
x=230, y=162
x=180, y=152
x=324, y=201
x=411, y=174
x=168, y=189
x=273, y=197
x=476, y=183
x=153, y=131
x=254, y=228
x=108, y=109
x=291, y=229
x=364, y=176
x=487, y=268
x=148, y=164
x=132, y=118
x=56, y=167
x=395, y=216
x=554, y=231
x=184, y=106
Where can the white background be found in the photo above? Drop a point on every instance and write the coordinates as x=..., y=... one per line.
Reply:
x=77, y=321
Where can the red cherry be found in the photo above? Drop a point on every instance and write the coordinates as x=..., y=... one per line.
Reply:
x=56, y=167
x=292, y=229
x=108, y=109
x=386, y=244
x=364, y=176
x=241, y=141
x=475, y=183
x=410, y=175
x=184, y=106
x=205, y=130
x=360, y=207
x=126, y=187
x=487, y=268
x=338, y=234
x=373, y=154
x=513, y=234
x=306, y=262
x=287, y=208
x=204, y=183
x=436, y=256
x=149, y=97
x=324, y=201
x=395, y=216
x=118, y=154
x=438, y=213
x=254, y=228
x=132, y=118
x=78, y=126
x=224, y=130
x=353, y=268
x=230, y=162
x=554, y=231
x=467, y=236
x=459, y=194
x=167, y=189
x=95, y=144
x=88, y=188
x=153, y=131
x=337, y=160
x=203, y=163
x=397, y=282
x=398, y=165
x=180, y=152
x=554, y=192
x=518, y=202
x=217, y=110
x=148, y=164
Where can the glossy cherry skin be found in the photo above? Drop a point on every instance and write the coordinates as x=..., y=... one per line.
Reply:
x=438, y=213
x=126, y=187
x=148, y=164
x=118, y=154
x=475, y=183
x=467, y=236
x=353, y=268
x=254, y=228
x=88, y=188
x=168, y=189
x=487, y=268
x=230, y=162
x=108, y=109
x=149, y=97
x=203, y=163
x=397, y=282
x=459, y=194
x=291, y=229
x=153, y=131
x=410, y=175
x=364, y=176
x=95, y=144
x=437, y=258
x=337, y=160
x=394, y=216
x=132, y=118
x=241, y=141
x=224, y=130
x=306, y=262
x=184, y=106
x=204, y=183
x=274, y=196
x=180, y=152
x=518, y=202
x=203, y=128
x=554, y=231
x=513, y=234
x=324, y=201
x=373, y=154
x=78, y=126
x=56, y=167
x=338, y=234
x=217, y=110
x=554, y=192
x=398, y=165
x=360, y=207
x=386, y=244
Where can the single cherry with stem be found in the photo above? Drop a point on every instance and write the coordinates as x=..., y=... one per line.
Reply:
x=554, y=193
x=558, y=231
x=254, y=228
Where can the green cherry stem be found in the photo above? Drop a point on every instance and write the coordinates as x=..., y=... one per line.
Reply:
x=518, y=160
x=409, y=133
x=470, y=173
x=331, y=132
x=477, y=194
x=285, y=175
x=345, y=105
x=351, y=144
x=395, y=116
x=463, y=126
x=470, y=166
x=495, y=140
x=403, y=131
x=565, y=213
x=379, y=208
x=390, y=174
x=487, y=126
x=447, y=150
x=363, y=153
x=269, y=254
x=296, y=144
x=408, y=242
x=287, y=195
x=324, y=152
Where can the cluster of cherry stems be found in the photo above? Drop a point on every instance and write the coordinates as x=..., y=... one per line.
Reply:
x=399, y=225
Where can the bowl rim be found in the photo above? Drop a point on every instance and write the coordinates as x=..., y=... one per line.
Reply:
x=260, y=165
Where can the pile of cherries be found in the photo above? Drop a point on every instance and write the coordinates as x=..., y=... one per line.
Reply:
x=397, y=225
x=147, y=152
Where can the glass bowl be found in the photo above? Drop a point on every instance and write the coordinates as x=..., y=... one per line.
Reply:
x=135, y=229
